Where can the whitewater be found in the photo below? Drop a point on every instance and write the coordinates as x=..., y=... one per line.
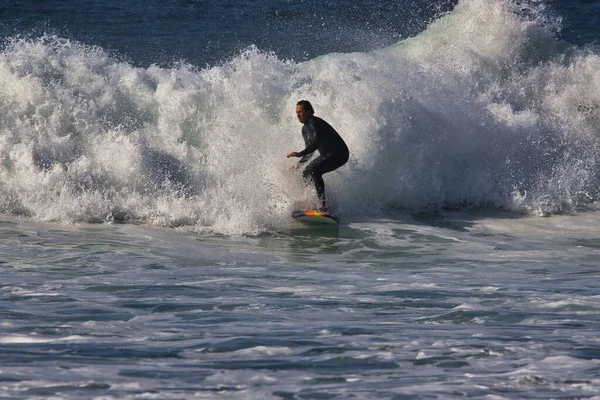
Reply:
x=483, y=108
x=146, y=244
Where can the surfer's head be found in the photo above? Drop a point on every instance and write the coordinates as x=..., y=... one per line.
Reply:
x=304, y=111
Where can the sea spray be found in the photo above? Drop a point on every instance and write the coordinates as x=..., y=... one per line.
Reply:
x=485, y=107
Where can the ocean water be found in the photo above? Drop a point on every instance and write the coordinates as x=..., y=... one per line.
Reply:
x=147, y=249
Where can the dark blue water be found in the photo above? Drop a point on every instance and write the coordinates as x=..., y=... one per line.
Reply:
x=201, y=32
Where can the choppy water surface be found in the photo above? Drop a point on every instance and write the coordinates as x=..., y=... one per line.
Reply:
x=146, y=248
x=449, y=305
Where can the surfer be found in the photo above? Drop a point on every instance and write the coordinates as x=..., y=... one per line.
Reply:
x=319, y=135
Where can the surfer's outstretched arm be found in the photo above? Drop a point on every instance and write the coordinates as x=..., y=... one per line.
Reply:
x=303, y=159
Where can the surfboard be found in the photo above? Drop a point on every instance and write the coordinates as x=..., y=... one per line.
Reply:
x=317, y=217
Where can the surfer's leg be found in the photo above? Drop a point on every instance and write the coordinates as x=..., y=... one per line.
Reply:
x=314, y=172
x=320, y=187
x=328, y=164
x=331, y=163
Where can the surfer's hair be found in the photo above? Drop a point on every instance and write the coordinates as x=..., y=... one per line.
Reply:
x=306, y=105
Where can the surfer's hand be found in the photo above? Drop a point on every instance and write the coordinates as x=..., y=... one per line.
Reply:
x=293, y=154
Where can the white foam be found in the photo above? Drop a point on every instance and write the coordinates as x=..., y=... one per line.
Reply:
x=260, y=351
x=21, y=339
x=483, y=107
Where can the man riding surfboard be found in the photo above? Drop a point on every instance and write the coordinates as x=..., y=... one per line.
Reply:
x=319, y=135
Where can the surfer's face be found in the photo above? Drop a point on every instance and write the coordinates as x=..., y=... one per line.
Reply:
x=302, y=114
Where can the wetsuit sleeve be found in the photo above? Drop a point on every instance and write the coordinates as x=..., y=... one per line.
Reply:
x=310, y=149
x=304, y=159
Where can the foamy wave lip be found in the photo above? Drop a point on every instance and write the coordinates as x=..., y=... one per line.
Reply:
x=260, y=351
x=296, y=290
x=489, y=289
x=15, y=290
x=408, y=286
x=21, y=339
x=568, y=303
x=485, y=107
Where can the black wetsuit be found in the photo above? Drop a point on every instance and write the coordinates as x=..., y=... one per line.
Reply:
x=333, y=152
